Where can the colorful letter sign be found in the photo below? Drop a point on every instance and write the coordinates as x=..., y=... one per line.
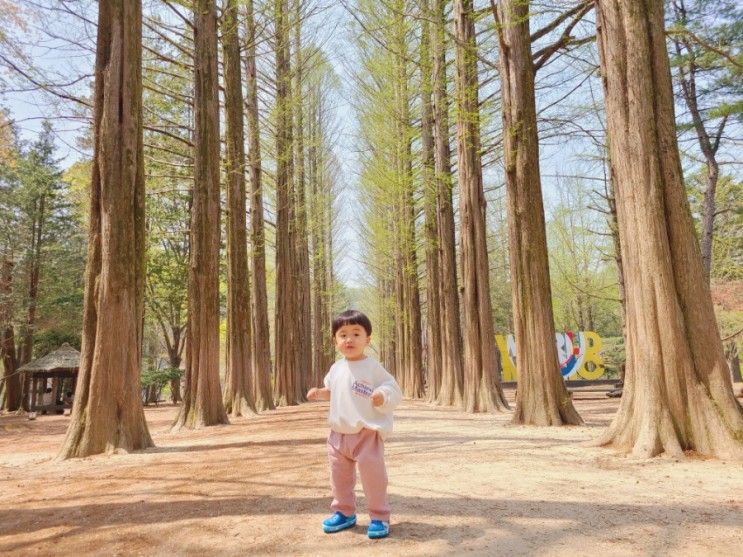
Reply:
x=579, y=355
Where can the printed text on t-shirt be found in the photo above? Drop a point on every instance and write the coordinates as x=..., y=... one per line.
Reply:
x=362, y=389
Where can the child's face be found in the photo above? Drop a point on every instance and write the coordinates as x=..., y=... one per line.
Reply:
x=351, y=341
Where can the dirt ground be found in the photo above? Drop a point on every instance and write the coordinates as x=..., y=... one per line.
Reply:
x=459, y=484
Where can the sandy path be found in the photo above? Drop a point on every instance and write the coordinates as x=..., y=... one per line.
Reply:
x=459, y=484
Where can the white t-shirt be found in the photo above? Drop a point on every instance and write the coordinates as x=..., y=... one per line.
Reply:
x=352, y=385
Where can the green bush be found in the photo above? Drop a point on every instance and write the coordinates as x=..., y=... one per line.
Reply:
x=153, y=380
x=612, y=351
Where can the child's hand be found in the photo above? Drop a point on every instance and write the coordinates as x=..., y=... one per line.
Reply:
x=318, y=394
x=377, y=399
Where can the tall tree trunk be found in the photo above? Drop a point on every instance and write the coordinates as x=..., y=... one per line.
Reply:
x=107, y=415
x=202, y=399
x=677, y=390
x=261, y=352
x=34, y=273
x=542, y=398
x=411, y=313
x=482, y=389
x=319, y=231
x=433, y=266
x=238, y=390
x=452, y=378
x=302, y=259
x=12, y=381
x=174, y=361
x=286, y=329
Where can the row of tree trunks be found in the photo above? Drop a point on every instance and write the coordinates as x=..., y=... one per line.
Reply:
x=238, y=389
x=107, y=415
x=542, y=398
x=202, y=399
x=261, y=353
x=677, y=391
x=482, y=390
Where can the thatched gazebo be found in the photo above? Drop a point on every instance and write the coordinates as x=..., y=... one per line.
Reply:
x=61, y=367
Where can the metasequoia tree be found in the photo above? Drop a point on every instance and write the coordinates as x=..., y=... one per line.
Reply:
x=542, y=398
x=301, y=261
x=410, y=357
x=389, y=187
x=677, y=390
x=434, y=369
x=202, y=397
x=261, y=353
x=482, y=390
x=452, y=373
x=107, y=415
x=321, y=82
x=238, y=389
x=287, y=389
x=11, y=387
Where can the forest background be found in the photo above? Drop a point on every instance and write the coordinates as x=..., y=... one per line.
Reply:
x=347, y=64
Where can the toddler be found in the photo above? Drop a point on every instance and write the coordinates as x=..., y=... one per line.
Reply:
x=362, y=397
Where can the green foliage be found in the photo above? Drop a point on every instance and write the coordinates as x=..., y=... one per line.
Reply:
x=614, y=355
x=49, y=340
x=585, y=290
x=40, y=232
x=727, y=242
x=159, y=377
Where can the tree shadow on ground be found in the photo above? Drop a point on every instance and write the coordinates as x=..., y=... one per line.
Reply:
x=474, y=516
x=164, y=448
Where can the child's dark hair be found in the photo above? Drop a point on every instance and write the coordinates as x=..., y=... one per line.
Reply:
x=352, y=317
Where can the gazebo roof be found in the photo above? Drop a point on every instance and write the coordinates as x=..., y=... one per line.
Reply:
x=63, y=358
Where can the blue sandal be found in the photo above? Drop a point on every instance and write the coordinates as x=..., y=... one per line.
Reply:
x=378, y=529
x=338, y=522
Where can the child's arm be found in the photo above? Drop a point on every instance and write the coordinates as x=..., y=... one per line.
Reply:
x=321, y=393
x=387, y=395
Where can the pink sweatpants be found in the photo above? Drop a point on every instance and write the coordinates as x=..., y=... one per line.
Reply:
x=367, y=449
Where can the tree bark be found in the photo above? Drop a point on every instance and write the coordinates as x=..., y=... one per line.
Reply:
x=542, y=398
x=452, y=379
x=107, y=415
x=677, y=390
x=303, y=364
x=202, y=397
x=34, y=272
x=319, y=233
x=238, y=389
x=482, y=390
x=261, y=352
x=12, y=382
x=286, y=329
x=433, y=268
x=411, y=349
